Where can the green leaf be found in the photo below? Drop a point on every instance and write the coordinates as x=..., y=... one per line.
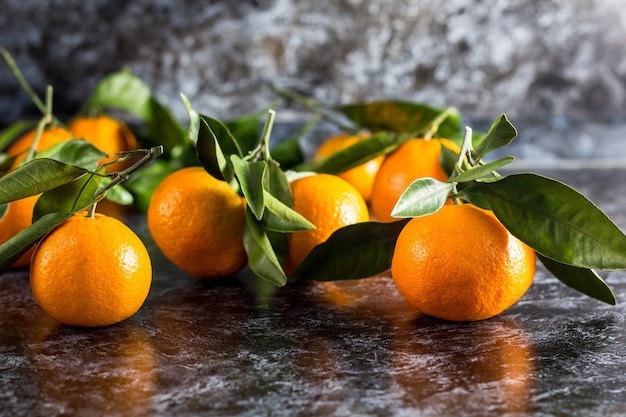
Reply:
x=557, y=221
x=15, y=247
x=68, y=198
x=3, y=210
x=279, y=216
x=261, y=256
x=122, y=90
x=448, y=159
x=501, y=133
x=422, y=197
x=276, y=182
x=356, y=251
x=584, y=280
x=284, y=218
x=164, y=129
x=194, y=121
x=210, y=154
x=401, y=116
x=119, y=194
x=76, y=152
x=228, y=142
x=482, y=171
x=471, y=194
x=214, y=146
x=357, y=154
x=36, y=176
x=250, y=176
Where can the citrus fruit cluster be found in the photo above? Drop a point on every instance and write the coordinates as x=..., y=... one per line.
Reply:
x=406, y=193
x=461, y=240
x=86, y=268
x=459, y=264
x=72, y=279
x=382, y=180
x=110, y=135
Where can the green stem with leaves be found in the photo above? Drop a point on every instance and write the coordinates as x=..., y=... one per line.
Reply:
x=119, y=177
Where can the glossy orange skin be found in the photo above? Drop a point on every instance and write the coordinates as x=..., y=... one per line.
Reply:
x=197, y=221
x=461, y=264
x=329, y=203
x=91, y=271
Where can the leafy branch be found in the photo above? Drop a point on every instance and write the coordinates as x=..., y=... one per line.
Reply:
x=65, y=190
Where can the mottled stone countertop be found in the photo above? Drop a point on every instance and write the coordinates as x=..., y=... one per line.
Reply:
x=323, y=349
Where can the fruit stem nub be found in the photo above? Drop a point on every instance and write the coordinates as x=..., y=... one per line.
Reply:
x=91, y=211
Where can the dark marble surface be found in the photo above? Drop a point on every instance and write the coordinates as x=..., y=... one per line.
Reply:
x=335, y=349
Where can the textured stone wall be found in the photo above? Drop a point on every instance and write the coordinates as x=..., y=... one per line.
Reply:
x=544, y=60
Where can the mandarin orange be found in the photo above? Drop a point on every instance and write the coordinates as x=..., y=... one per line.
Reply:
x=329, y=203
x=90, y=271
x=197, y=221
x=461, y=264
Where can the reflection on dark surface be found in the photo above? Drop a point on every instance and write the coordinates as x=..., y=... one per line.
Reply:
x=96, y=372
x=457, y=368
x=352, y=348
x=346, y=348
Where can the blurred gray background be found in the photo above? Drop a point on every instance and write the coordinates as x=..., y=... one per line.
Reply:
x=549, y=62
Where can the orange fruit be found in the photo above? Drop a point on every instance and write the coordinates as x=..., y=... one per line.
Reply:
x=417, y=158
x=329, y=203
x=362, y=176
x=18, y=216
x=90, y=271
x=107, y=134
x=461, y=264
x=197, y=221
x=49, y=136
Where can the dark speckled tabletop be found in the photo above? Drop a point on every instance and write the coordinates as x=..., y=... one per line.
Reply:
x=353, y=348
